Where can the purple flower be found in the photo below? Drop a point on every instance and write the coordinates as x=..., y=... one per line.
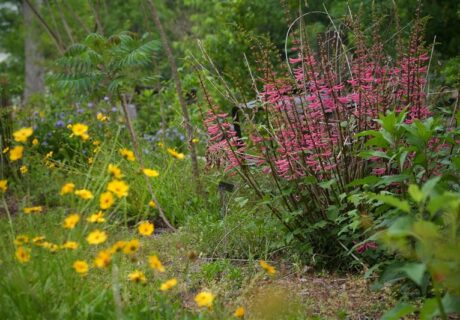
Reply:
x=79, y=110
x=90, y=104
x=114, y=109
x=106, y=98
x=59, y=124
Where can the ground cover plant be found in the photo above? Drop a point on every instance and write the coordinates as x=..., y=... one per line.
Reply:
x=164, y=160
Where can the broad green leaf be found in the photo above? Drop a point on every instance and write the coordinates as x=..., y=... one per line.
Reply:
x=415, y=272
x=363, y=181
x=401, y=227
x=402, y=205
x=429, y=186
x=426, y=230
x=401, y=310
x=415, y=193
x=429, y=309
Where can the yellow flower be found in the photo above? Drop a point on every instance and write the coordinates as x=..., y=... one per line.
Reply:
x=96, y=143
x=101, y=117
x=23, y=169
x=6, y=150
x=145, y=228
x=96, y=218
x=35, y=142
x=79, y=130
x=106, y=200
x=90, y=160
x=38, y=240
x=50, y=246
x=268, y=268
x=23, y=134
x=71, y=245
x=49, y=155
x=175, y=154
x=81, y=267
x=119, y=187
x=84, y=194
x=21, y=239
x=118, y=246
x=127, y=154
x=165, y=286
x=137, y=276
x=156, y=264
x=195, y=140
x=115, y=171
x=161, y=145
x=103, y=259
x=67, y=188
x=36, y=209
x=204, y=299
x=131, y=246
x=239, y=312
x=3, y=185
x=152, y=204
x=151, y=173
x=96, y=237
x=22, y=254
x=71, y=221
x=16, y=153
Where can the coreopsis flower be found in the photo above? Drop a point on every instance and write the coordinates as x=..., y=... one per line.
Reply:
x=160, y=145
x=21, y=239
x=204, y=299
x=175, y=154
x=137, y=276
x=156, y=264
x=268, y=268
x=127, y=154
x=70, y=245
x=145, y=228
x=23, y=169
x=118, y=246
x=22, y=254
x=5, y=150
x=96, y=237
x=96, y=217
x=151, y=173
x=239, y=312
x=16, y=153
x=49, y=155
x=3, y=185
x=195, y=140
x=118, y=187
x=90, y=160
x=84, y=194
x=36, y=209
x=101, y=117
x=23, y=134
x=167, y=285
x=106, y=200
x=115, y=171
x=71, y=221
x=38, y=240
x=52, y=247
x=131, y=246
x=152, y=204
x=81, y=267
x=80, y=130
x=35, y=142
x=103, y=259
x=69, y=187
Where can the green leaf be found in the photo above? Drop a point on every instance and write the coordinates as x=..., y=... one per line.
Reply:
x=415, y=272
x=401, y=227
x=393, y=201
x=429, y=309
x=363, y=181
x=429, y=186
x=327, y=184
x=415, y=193
x=402, y=309
x=370, y=154
x=451, y=303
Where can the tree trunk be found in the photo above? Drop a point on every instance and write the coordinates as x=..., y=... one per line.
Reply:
x=34, y=69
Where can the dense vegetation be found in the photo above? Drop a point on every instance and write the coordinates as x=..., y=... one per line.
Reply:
x=192, y=159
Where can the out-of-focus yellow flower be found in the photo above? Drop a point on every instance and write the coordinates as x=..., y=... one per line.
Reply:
x=96, y=218
x=5, y=150
x=145, y=228
x=81, y=267
x=69, y=187
x=152, y=204
x=239, y=312
x=106, y=200
x=35, y=142
x=96, y=237
x=204, y=299
x=103, y=259
x=175, y=154
x=195, y=140
x=156, y=264
x=49, y=155
x=16, y=153
x=131, y=246
x=268, y=268
x=96, y=143
x=127, y=154
x=23, y=134
x=38, y=240
x=36, y=209
x=137, y=276
x=71, y=221
x=70, y=245
x=3, y=185
x=118, y=246
x=101, y=117
x=169, y=284
x=23, y=254
x=90, y=160
x=79, y=129
x=115, y=171
x=118, y=187
x=52, y=247
x=151, y=173
x=21, y=239
x=160, y=145
x=84, y=194
x=23, y=169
